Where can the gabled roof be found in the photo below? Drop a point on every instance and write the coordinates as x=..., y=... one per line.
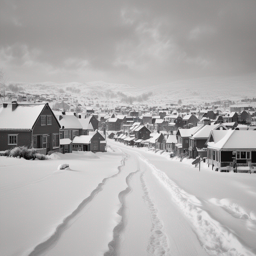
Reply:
x=205, y=131
x=112, y=120
x=86, y=125
x=140, y=127
x=236, y=139
x=216, y=135
x=171, y=139
x=153, y=137
x=86, y=139
x=70, y=122
x=82, y=139
x=121, y=117
x=186, y=117
x=23, y=117
x=189, y=132
x=159, y=121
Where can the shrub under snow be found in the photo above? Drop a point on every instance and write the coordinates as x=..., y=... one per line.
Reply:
x=24, y=152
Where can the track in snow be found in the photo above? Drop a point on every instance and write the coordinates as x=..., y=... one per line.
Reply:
x=43, y=247
x=158, y=242
x=114, y=244
x=215, y=238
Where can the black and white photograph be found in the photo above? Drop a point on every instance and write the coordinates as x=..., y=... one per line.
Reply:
x=128, y=127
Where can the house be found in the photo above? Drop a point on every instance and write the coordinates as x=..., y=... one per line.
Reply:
x=30, y=125
x=95, y=142
x=170, y=142
x=183, y=135
x=160, y=142
x=230, y=117
x=147, y=119
x=86, y=126
x=70, y=126
x=245, y=118
x=113, y=124
x=190, y=119
x=197, y=142
x=66, y=146
x=141, y=133
x=210, y=114
x=224, y=147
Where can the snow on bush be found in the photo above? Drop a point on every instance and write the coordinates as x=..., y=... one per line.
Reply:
x=24, y=152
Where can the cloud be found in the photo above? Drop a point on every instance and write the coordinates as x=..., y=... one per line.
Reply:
x=200, y=31
x=129, y=41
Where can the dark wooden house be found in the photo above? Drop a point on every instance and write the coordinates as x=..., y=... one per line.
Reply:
x=30, y=125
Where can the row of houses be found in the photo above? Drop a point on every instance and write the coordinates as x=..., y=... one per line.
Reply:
x=221, y=144
x=36, y=126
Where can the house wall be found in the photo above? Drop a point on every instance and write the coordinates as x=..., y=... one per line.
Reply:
x=147, y=120
x=143, y=134
x=95, y=123
x=245, y=118
x=24, y=139
x=39, y=129
x=192, y=120
x=114, y=126
x=95, y=143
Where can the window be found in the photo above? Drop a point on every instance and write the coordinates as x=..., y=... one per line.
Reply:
x=43, y=120
x=49, y=120
x=44, y=143
x=213, y=155
x=12, y=139
x=55, y=140
x=75, y=133
x=243, y=155
x=66, y=134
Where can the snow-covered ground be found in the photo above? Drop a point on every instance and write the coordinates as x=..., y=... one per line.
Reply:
x=127, y=201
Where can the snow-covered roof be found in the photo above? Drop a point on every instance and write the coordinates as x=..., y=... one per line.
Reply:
x=205, y=131
x=186, y=117
x=171, y=139
x=23, y=117
x=83, y=139
x=147, y=115
x=69, y=122
x=65, y=141
x=159, y=121
x=218, y=135
x=138, y=128
x=121, y=117
x=189, y=132
x=153, y=137
x=86, y=125
x=236, y=139
x=112, y=120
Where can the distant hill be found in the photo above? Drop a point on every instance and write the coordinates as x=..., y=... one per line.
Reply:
x=189, y=91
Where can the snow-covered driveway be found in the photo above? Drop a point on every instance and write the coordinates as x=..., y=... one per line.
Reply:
x=128, y=202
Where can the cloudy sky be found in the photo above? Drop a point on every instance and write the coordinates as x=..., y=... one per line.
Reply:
x=136, y=42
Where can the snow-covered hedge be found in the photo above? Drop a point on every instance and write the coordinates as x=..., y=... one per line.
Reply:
x=24, y=152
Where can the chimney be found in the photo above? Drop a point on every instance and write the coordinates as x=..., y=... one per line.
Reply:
x=14, y=105
x=60, y=117
x=5, y=105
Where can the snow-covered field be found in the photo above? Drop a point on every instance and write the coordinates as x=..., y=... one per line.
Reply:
x=127, y=201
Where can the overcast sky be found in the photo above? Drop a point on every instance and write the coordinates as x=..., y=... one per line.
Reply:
x=136, y=42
